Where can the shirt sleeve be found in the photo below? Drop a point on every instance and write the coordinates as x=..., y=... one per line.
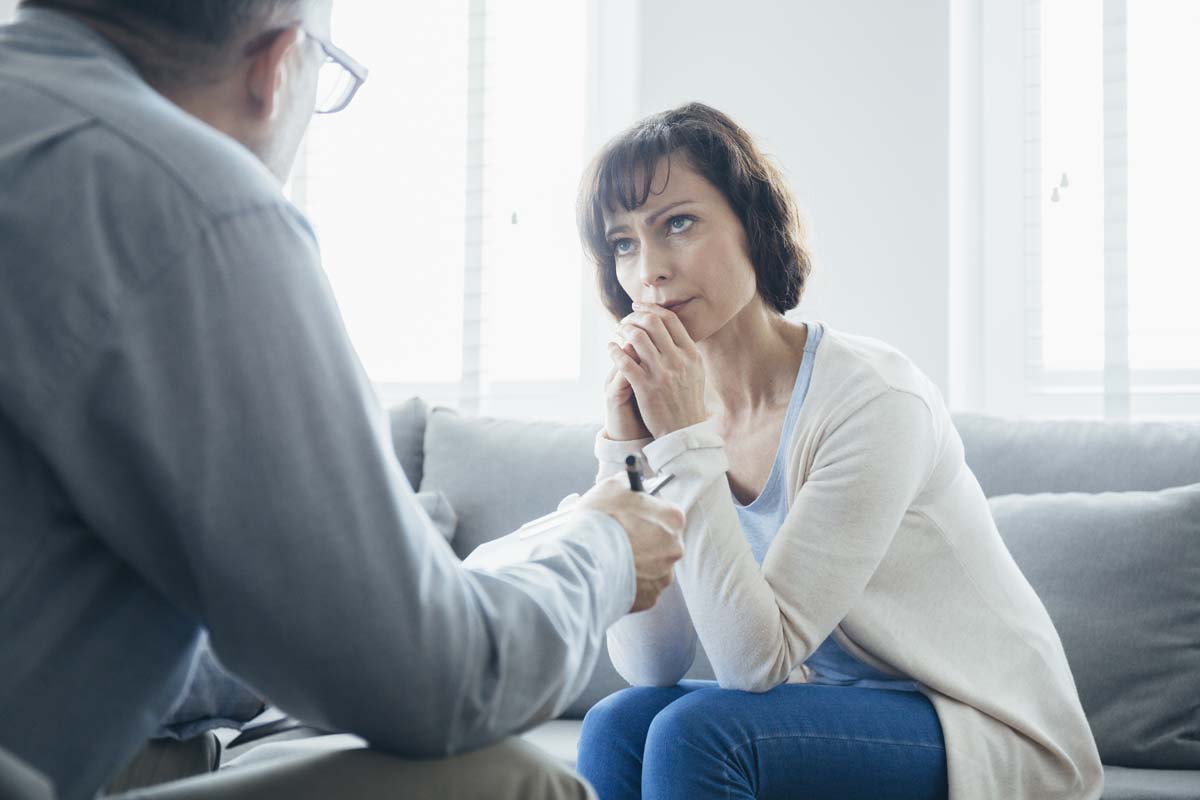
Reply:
x=611, y=455
x=757, y=625
x=222, y=439
x=655, y=647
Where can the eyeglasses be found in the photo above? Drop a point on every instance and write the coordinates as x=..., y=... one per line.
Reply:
x=339, y=78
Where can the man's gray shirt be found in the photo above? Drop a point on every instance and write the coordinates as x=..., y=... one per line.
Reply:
x=188, y=442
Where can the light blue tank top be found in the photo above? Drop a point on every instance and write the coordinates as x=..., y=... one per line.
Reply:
x=761, y=520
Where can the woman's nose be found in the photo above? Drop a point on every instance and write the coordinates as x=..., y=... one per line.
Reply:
x=654, y=268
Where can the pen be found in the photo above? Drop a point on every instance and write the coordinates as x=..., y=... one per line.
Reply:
x=635, y=474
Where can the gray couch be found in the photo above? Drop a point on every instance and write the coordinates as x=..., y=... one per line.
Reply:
x=1085, y=508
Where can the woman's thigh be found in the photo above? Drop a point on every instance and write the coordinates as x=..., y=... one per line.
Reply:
x=796, y=741
x=614, y=736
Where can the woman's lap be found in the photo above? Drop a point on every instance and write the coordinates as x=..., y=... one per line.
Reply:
x=798, y=740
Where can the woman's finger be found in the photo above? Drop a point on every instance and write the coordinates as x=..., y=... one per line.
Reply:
x=673, y=324
x=618, y=340
x=626, y=366
x=616, y=385
x=612, y=384
x=647, y=353
x=653, y=325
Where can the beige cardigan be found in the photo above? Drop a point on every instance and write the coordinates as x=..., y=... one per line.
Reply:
x=889, y=545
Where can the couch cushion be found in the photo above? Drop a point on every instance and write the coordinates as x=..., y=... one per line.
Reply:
x=408, y=437
x=441, y=513
x=558, y=737
x=1030, y=456
x=1119, y=573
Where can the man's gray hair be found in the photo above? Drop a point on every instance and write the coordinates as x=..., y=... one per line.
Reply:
x=172, y=42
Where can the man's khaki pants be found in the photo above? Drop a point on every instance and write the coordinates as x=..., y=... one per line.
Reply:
x=338, y=766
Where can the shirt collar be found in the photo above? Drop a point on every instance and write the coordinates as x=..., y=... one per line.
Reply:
x=69, y=29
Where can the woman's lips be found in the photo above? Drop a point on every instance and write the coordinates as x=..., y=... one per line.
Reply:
x=676, y=305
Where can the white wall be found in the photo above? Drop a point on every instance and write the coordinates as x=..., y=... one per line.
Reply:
x=852, y=98
x=7, y=7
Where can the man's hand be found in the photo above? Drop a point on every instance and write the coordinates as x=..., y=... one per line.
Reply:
x=655, y=530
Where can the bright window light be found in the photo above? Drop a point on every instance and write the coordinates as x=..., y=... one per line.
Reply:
x=1164, y=184
x=385, y=184
x=1072, y=153
x=534, y=154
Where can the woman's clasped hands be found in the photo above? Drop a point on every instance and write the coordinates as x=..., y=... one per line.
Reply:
x=656, y=385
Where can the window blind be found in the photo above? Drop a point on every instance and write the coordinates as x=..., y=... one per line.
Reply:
x=443, y=196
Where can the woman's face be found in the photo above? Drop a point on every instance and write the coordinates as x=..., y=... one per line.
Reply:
x=685, y=249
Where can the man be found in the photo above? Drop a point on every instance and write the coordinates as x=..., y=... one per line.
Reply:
x=188, y=443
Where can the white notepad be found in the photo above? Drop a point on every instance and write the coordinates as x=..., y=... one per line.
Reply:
x=518, y=546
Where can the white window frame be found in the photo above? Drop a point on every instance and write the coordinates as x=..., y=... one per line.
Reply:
x=613, y=69
x=1015, y=383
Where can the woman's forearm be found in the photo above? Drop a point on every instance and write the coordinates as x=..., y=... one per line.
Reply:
x=732, y=608
x=758, y=623
x=654, y=647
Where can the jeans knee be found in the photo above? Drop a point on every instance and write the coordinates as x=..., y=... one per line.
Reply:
x=623, y=714
x=694, y=719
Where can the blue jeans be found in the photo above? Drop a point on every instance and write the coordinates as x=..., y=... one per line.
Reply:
x=696, y=740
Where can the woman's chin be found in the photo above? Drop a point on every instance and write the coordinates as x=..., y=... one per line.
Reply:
x=698, y=332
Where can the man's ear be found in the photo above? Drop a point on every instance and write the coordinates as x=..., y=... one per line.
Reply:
x=269, y=71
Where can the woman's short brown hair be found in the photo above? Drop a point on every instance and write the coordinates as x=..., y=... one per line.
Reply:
x=725, y=155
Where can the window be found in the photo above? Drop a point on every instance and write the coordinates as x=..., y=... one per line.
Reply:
x=444, y=195
x=1108, y=315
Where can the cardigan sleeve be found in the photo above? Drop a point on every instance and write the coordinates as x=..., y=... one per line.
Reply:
x=654, y=647
x=757, y=625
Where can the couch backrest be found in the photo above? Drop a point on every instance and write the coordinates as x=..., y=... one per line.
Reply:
x=1007, y=456
x=1031, y=456
x=408, y=438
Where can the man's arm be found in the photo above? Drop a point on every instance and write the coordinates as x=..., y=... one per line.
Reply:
x=221, y=438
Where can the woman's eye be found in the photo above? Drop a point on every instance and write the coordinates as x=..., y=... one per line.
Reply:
x=622, y=247
x=679, y=224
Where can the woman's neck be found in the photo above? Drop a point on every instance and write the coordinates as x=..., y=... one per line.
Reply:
x=751, y=363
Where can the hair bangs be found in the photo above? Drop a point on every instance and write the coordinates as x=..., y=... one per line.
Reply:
x=625, y=175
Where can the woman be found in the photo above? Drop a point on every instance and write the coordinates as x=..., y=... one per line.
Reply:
x=870, y=634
